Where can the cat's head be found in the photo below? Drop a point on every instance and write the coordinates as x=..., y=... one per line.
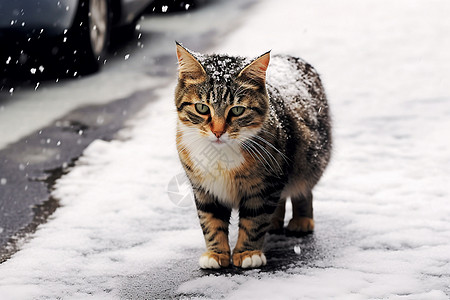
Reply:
x=223, y=98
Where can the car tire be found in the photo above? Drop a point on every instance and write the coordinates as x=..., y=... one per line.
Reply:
x=89, y=36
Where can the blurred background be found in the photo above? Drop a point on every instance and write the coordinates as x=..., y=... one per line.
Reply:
x=71, y=37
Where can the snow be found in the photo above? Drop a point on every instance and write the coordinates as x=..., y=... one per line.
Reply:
x=382, y=211
x=280, y=76
x=36, y=107
x=221, y=68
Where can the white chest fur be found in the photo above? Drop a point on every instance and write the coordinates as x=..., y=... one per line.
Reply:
x=214, y=163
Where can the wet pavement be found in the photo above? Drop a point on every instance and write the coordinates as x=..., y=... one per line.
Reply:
x=285, y=255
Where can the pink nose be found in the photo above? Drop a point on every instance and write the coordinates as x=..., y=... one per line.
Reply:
x=218, y=134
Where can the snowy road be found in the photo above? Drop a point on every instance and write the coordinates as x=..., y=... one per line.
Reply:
x=382, y=209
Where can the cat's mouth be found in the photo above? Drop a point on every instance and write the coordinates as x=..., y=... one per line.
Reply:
x=219, y=142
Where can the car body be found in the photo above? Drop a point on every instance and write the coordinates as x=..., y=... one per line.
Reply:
x=29, y=24
x=52, y=17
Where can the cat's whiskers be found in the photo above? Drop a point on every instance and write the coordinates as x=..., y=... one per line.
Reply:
x=256, y=156
x=247, y=148
x=270, y=156
x=186, y=135
x=273, y=147
x=268, y=132
x=252, y=145
x=253, y=136
x=269, y=153
x=188, y=147
x=189, y=139
x=188, y=144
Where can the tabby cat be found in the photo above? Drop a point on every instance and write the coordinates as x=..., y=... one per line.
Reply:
x=247, y=141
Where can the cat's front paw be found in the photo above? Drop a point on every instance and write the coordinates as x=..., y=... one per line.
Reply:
x=249, y=259
x=213, y=260
x=300, y=226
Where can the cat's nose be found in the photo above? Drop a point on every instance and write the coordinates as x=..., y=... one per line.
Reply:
x=217, y=126
x=218, y=134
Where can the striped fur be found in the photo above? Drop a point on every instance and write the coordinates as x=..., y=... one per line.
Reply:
x=277, y=148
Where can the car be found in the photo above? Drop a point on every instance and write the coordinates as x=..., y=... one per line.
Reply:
x=74, y=34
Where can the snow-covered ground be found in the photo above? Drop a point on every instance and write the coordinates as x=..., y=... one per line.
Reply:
x=382, y=209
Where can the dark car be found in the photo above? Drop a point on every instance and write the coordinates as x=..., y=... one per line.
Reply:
x=74, y=33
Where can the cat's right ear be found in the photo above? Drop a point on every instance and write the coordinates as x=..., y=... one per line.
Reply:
x=189, y=69
x=255, y=72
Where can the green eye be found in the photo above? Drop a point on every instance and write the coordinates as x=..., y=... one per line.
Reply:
x=202, y=108
x=237, y=111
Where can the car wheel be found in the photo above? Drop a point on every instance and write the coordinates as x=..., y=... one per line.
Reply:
x=89, y=35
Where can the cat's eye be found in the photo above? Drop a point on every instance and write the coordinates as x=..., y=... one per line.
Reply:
x=202, y=108
x=236, y=111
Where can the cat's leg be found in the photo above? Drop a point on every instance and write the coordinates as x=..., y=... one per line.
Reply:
x=302, y=221
x=254, y=221
x=277, y=221
x=214, y=220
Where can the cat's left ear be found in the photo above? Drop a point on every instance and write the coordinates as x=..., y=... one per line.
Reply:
x=190, y=70
x=256, y=70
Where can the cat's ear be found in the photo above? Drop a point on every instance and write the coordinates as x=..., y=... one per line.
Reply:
x=189, y=69
x=255, y=71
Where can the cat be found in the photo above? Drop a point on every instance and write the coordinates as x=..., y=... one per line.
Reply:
x=248, y=139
